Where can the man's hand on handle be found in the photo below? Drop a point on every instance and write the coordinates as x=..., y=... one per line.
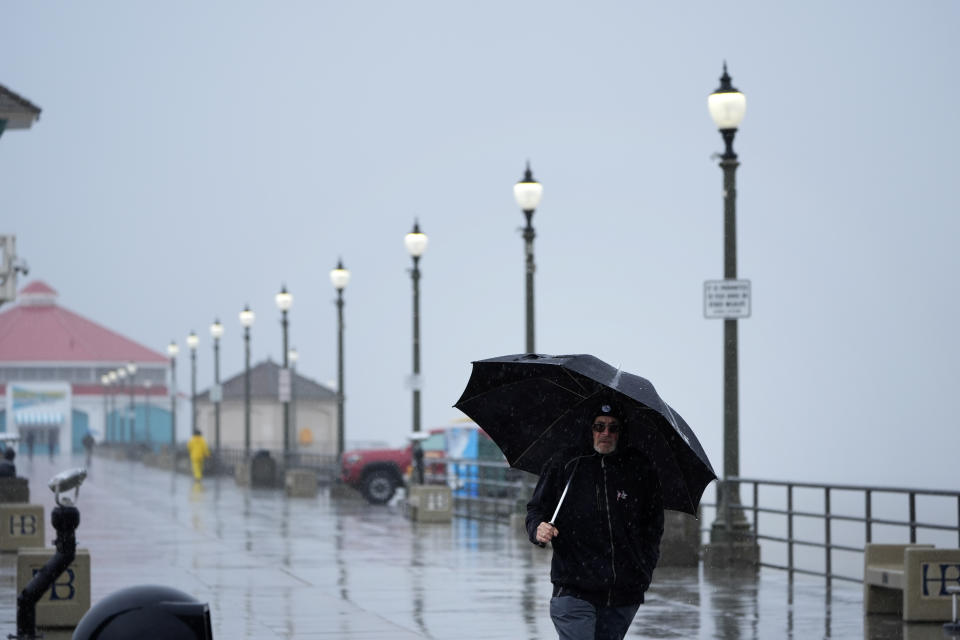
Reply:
x=546, y=532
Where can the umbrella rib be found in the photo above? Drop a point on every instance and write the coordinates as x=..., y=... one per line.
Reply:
x=545, y=431
x=577, y=382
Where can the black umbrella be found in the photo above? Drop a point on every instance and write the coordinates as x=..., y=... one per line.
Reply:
x=535, y=405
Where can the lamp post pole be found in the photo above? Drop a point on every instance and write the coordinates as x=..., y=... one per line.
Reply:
x=131, y=372
x=172, y=350
x=104, y=389
x=193, y=340
x=416, y=243
x=340, y=277
x=284, y=301
x=730, y=529
x=216, y=332
x=146, y=411
x=246, y=319
x=122, y=377
x=527, y=193
x=293, y=356
x=112, y=376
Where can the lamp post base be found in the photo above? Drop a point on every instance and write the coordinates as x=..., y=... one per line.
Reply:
x=733, y=545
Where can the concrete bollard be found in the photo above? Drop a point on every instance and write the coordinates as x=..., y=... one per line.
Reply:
x=301, y=483
x=67, y=599
x=429, y=503
x=21, y=525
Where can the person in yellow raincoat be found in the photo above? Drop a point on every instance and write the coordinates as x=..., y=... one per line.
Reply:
x=199, y=451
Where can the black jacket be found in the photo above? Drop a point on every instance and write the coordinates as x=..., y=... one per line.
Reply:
x=610, y=523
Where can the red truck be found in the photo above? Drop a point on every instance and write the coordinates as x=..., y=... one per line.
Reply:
x=377, y=473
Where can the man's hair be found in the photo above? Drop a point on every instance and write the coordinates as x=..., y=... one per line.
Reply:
x=9, y=454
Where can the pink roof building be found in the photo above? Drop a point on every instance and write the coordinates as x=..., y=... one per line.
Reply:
x=52, y=365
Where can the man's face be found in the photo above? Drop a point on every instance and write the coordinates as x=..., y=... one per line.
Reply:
x=606, y=434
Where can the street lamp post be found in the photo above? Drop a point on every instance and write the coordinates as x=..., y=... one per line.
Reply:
x=113, y=405
x=416, y=243
x=193, y=341
x=146, y=411
x=172, y=350
x=293, y=356
x=246, y=319
x=131, y=372
x=284, y=301
x=122, y=377
x=727, y=107
x=340, y=277
x=216, y=332
x=104, y=390
x=527, y=193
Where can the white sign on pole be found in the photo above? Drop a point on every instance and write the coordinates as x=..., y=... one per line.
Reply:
x=729, y=299
x=284, y=390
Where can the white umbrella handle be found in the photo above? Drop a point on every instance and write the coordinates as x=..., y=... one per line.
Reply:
x=562, y=496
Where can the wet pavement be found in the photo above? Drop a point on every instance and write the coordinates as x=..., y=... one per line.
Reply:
x=334, y=567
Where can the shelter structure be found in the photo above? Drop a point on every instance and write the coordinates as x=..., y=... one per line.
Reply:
x=313, y=412
x=52, y=364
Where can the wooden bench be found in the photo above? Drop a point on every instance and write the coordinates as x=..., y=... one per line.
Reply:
x=910, y=580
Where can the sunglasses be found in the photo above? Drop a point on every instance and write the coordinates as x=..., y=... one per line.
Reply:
x=599, y=427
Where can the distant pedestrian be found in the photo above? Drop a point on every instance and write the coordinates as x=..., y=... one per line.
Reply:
x=199, y=451
x=7, y=468
x=52, y=442
x=88, y=447
x=30, y=441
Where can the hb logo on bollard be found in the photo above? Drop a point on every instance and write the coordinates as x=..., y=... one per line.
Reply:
x=23, y=524
x=941, y=575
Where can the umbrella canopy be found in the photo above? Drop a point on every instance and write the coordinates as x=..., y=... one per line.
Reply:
x=535, y=405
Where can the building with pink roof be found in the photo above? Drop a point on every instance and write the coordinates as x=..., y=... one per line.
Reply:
x=55, y=370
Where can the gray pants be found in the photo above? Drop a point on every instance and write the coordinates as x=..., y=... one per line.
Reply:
x=577, y=619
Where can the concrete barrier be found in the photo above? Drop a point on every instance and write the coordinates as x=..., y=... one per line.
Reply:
x=21, y=525
x=300, y=483
x=911, y=580
x=68, y=599
x=429, y=503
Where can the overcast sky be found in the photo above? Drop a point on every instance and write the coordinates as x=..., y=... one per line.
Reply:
x=192, y=157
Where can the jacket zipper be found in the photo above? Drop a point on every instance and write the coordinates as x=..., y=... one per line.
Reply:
x=606, y=499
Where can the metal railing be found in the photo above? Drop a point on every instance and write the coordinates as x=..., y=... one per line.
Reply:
x=877, y=514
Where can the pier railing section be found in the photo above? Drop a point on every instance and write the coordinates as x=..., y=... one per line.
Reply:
x=821, y=529
x=802, y=527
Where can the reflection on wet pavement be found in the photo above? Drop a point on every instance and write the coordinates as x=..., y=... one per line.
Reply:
x=272, y=566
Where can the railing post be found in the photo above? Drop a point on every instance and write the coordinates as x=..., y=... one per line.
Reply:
x=868, y=514
x=826, y=532
x=756, y=509
x=913, y=517
x=790, y=529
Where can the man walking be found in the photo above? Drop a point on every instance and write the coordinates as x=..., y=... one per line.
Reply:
x=606, y=536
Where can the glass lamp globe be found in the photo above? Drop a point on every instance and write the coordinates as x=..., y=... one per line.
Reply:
x=339, y=277
x=284, y=299
x=527, y=192
x=415, y=241
x=247, y=317
x=727, y=105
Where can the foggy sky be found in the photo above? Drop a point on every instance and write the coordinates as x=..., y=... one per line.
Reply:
x=191, y=158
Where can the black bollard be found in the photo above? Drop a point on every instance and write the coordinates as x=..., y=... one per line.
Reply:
x=65, y=520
